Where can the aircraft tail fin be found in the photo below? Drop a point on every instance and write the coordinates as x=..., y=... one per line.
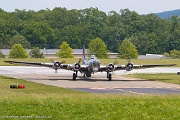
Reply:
x=83, y=56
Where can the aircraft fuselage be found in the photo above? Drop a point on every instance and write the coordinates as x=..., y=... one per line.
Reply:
x=92, y=66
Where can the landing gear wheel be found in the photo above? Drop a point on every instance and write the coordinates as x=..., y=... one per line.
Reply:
x=110, y=77
x=108, y=74
x=74, y=76
x=88, y=75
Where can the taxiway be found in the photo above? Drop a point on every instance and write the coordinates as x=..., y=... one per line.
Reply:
x=98, y=83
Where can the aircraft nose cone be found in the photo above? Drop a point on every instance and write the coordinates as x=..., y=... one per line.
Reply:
x=96, y=63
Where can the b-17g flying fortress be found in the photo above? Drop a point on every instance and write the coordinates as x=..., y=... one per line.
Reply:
x=92, y=90
x=91, y=66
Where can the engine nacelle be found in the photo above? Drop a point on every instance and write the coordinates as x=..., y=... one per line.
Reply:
x=129, y=66
x=56, y=65
x=77, y=66
x=111, y=67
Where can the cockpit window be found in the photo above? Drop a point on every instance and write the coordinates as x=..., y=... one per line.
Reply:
x=92, y=57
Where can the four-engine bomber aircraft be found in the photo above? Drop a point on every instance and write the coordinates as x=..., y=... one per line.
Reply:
x=89, y=67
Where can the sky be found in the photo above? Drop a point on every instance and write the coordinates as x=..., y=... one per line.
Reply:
x=139, y=6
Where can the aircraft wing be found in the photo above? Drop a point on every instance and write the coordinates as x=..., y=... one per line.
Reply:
x=153, y=65
x=130, y=66
x=30, y=63
x=76, y=67
x=55, y=65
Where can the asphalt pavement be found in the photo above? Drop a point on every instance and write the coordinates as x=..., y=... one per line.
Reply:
x=98, y=83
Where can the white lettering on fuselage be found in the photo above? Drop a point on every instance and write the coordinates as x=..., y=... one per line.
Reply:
x=95, y=69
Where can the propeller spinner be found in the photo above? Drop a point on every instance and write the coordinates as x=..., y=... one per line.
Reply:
x=112, y=66
x=77, y=65
x=129, y=66
x=56, y=64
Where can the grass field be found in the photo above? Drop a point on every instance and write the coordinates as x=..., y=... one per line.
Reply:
x=103, y=61
x=41, y=102
x=169, y=78
x=48, y=102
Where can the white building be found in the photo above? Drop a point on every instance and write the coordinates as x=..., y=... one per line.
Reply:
x=150, y=56
x=50, y=53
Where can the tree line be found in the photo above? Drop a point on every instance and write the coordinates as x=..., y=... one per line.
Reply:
x=127, y=50
x=50, y=28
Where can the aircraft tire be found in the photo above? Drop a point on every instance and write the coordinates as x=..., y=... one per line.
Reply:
x=107, y=75
x=88, y=75
x=74, y=76
x=110, y=77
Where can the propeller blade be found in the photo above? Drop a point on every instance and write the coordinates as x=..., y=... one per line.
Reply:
x=79, y=61
x=56, y=64
x=52, y=60
x=129, y=60
x=115, y=62
x=59, y=62
x=63, y=62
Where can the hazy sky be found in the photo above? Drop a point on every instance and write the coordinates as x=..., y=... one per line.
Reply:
x=140, y=6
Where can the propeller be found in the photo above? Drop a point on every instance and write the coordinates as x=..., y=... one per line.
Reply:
x=77, y=65
x=56, y=64
x=129, y=65
x=111, y=66
x=53, y=61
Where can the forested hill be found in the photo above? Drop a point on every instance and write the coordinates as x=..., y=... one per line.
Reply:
x=168, y=14
x=49, y=28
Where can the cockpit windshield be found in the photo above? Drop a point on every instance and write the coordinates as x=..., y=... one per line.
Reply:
x=92, y=57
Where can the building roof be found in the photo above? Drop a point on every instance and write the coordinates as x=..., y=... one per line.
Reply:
x=45, y=51
x=79, y=52
x=150, y=56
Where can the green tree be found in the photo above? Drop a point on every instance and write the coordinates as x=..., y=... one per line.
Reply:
x=19, y=39
x=18, y=51
x=151, y=45
x=166, y=55
x=172, y=54
x=49, y=28
x=39, y=34
x=35, y=53
x=175, y=54
x=65, y=51
x=99, y=48
x=2, y=55
x=127, y=50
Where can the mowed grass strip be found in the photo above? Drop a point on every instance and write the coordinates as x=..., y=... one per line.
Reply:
x=103, y=61
x=43, y=101
x=163, y=77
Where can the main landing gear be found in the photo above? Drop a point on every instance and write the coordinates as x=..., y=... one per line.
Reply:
x=74, y=75
x=87, y=75
x=109, y=76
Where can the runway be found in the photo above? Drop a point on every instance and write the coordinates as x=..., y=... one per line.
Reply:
x=98, y=83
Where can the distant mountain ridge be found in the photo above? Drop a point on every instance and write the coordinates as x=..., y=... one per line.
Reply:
x=168, y=14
